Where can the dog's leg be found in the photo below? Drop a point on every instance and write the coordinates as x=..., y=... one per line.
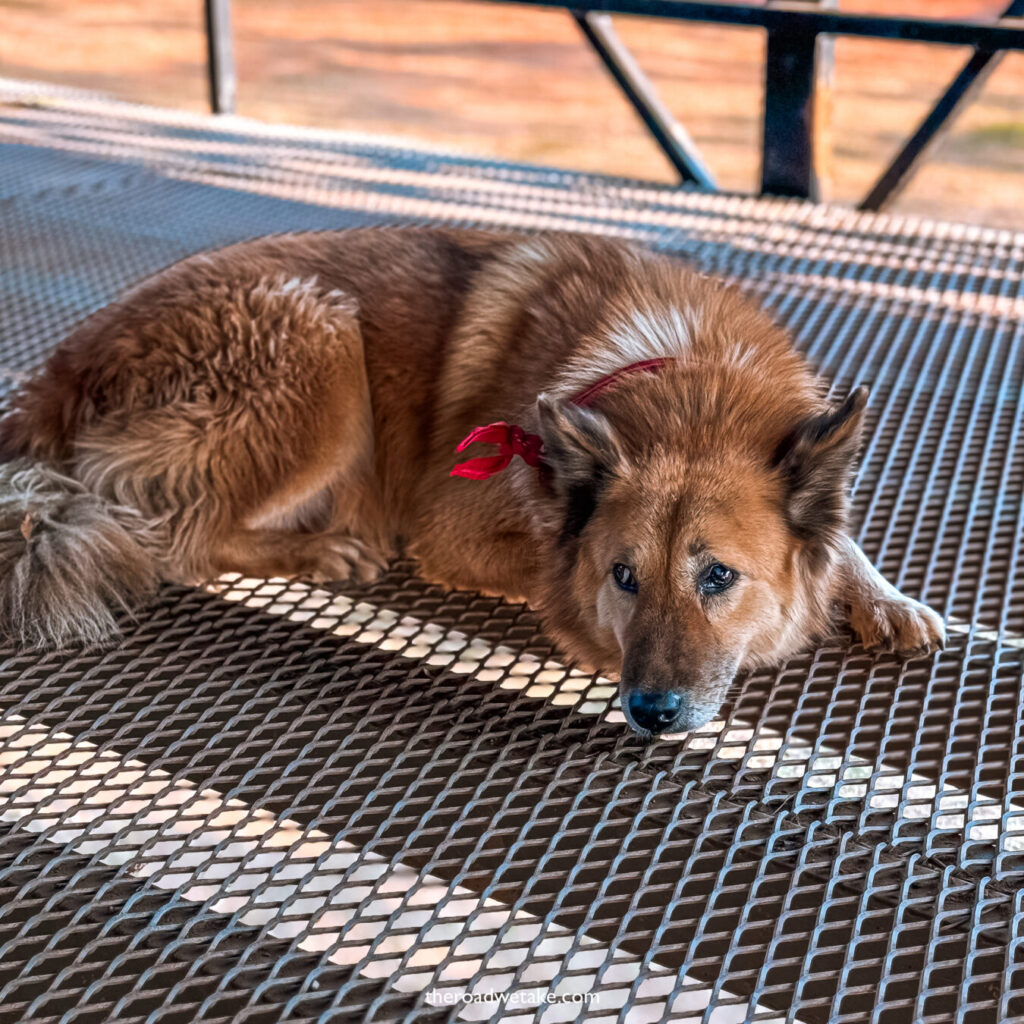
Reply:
x=252, y=452
x=879, y=614
x=320, y=557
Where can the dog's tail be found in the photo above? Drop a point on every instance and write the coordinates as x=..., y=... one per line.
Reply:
x=69, y=559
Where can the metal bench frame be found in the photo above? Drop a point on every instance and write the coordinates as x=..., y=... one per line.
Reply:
x=797, y=62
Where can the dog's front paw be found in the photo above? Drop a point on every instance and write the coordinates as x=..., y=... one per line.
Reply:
x=335, y=557
x=898, y=623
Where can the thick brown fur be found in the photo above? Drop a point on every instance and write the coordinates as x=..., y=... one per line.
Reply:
x=291, y=405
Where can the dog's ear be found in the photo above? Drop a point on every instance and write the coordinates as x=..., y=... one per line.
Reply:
x=581, y=453
x=816, y=462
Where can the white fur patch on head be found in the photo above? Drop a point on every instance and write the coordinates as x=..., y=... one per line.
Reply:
x=740, y=355
x=646, y=333
x=651, y=333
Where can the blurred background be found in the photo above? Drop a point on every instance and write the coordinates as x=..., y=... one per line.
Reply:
x=520, y=83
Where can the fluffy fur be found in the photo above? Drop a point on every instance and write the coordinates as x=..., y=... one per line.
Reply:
x=68, y=559
x=291, y=405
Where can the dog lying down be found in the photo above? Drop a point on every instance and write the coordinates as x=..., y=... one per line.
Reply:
x=651, y=466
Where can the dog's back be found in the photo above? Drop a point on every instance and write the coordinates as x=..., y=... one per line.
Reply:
x=188, y=427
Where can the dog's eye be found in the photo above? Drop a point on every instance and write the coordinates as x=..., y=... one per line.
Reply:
x=624, y=577
x=716, y=578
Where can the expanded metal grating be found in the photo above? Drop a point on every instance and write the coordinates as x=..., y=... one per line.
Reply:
x=274, y=801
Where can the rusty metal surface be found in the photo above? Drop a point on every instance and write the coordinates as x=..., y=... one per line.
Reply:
x=273, y=801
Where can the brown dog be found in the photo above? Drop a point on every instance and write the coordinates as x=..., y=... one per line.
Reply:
x=291, y=406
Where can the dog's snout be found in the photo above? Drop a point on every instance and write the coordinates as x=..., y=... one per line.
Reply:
x=673, y=690
x=661, y=711
x=654, y=712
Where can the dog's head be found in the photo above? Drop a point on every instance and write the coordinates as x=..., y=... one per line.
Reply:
x=691, y=548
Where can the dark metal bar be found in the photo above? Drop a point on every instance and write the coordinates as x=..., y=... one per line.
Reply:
x=220, y=56
x=789, y=157
x=1005, y=34
x=671, y=136
x=967, y=84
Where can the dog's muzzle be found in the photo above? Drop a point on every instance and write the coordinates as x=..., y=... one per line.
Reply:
x=665, y=711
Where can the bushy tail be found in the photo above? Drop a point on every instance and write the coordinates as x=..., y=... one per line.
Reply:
x=69, y=560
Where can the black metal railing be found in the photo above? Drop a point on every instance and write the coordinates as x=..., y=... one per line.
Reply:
x=796, y=64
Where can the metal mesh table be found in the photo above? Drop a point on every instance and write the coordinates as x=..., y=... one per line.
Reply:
x=273, y=801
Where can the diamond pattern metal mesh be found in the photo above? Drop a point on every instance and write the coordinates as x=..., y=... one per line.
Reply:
x=274, y=801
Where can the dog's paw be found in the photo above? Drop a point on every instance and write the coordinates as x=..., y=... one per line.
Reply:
x=336, y=557
x=898, y=623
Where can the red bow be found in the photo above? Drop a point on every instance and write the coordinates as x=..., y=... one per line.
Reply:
x=511, y=441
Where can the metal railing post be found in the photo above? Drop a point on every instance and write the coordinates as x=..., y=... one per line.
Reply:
x=797, y=85
x=220, y=56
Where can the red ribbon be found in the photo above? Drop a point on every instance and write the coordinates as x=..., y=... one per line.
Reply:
x=512, y=440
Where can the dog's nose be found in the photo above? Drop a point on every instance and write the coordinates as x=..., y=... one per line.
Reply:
x=654, y=712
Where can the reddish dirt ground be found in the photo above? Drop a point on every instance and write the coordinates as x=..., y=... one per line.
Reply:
x=519, y=83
